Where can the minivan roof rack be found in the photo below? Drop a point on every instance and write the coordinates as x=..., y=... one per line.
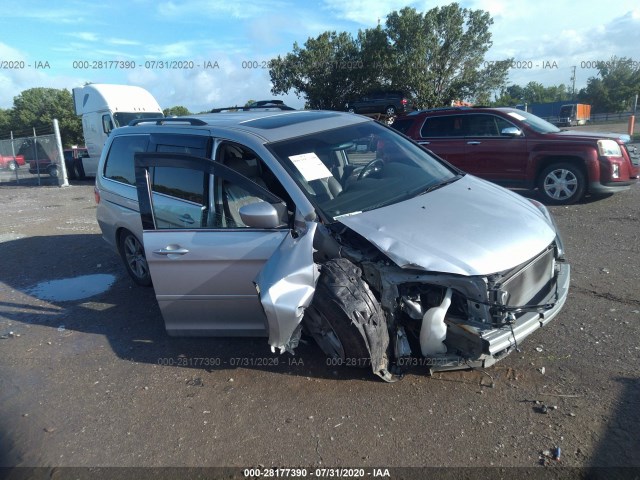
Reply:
x=163, y=120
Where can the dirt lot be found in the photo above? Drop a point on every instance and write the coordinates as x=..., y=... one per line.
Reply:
x=96, y=381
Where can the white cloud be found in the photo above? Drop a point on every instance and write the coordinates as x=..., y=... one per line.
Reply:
x=219, y=9
x=364, y=12
x=86, y=36
x=123, y=41
x=171, y=50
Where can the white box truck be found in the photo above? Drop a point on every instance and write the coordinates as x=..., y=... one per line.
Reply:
x=104, y=107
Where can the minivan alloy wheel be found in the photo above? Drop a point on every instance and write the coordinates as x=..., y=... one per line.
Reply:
x=133, y=255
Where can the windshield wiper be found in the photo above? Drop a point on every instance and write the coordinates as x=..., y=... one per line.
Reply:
x=435, y=186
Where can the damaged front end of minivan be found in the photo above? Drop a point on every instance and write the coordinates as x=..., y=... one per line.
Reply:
x=431, y=297
x=485, y=318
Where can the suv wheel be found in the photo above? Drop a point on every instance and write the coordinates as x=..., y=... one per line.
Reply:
x=13, y=166
x=391, y=110
x=561, y=184
x=132, y=253
x=343, y=302
x=53, y=171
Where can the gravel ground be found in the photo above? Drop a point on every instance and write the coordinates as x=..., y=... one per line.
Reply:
x=96, y=382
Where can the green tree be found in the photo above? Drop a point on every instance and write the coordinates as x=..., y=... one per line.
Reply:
x=5, y=121
x=37, y=107
x=439, y=55
x=321, y=71
x=510, y=96
x=177, y=111
x=435, y=57
x=615, y=87
x=532, y=92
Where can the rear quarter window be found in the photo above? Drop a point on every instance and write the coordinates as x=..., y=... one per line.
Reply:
x=119, y=162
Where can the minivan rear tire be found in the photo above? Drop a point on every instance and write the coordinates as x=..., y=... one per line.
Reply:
x=132, y=253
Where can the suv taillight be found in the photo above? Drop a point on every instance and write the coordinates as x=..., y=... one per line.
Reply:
x=404, y=101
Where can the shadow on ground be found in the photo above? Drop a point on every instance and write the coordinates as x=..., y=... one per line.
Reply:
x=128, y=315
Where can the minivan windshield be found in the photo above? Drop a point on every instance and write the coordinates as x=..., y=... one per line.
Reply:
x=361, y=167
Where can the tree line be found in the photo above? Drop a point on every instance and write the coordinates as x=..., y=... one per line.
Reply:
x=435, y=58
x=612, y=90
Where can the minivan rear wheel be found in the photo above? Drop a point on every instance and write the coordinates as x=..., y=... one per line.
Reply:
x=132, y=253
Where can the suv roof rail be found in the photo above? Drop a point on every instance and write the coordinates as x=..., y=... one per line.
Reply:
x=439, y=109
x=256, y=107
x=163, y=120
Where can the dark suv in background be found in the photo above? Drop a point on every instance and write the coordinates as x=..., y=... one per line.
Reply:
x=388, y=103
x=517, y=149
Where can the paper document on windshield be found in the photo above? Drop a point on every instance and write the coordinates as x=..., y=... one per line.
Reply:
x=310, y=166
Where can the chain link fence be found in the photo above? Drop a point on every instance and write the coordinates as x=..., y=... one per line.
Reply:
x=33, y=160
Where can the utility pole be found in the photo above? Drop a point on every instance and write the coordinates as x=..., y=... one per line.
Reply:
x=573, y=82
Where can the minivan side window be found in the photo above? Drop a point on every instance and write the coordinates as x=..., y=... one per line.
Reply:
x=180, y=197
x=119, y=162
x=180, y=183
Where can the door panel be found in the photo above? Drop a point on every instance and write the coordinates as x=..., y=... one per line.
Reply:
x=501, y=160
x=444, y=136
x=491, y=155
x=202, y=272
x=209, y=290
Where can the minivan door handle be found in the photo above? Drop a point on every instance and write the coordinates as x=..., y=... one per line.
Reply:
x=474, y=142
x=423, y=142
x=171, y=250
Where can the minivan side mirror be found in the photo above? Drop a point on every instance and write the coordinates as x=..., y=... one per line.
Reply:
x=511, y=132
x=263, y=215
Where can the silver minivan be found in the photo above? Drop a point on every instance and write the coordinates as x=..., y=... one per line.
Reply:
x=330, y=224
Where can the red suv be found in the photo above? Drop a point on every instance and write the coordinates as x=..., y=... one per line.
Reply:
x=517, y=149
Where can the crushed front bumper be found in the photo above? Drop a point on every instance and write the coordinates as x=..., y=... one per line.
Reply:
x=498, y=342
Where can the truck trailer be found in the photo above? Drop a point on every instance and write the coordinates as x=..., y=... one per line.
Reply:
x=573, y=114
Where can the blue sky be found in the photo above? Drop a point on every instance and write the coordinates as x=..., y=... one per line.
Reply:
x=46, y=46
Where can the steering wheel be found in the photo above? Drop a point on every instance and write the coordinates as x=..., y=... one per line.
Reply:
x=374, y=166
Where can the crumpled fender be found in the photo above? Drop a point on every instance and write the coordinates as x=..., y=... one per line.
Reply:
x=286, y=285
